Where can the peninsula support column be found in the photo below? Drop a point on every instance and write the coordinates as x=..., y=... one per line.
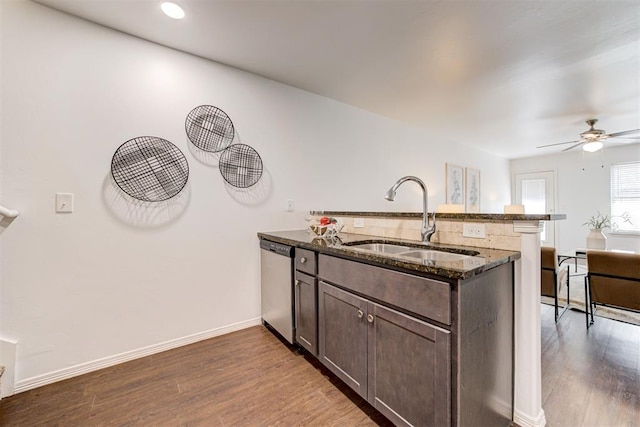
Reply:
x=528, y=410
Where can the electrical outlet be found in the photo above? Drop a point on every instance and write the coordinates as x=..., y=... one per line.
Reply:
x=290, y=205
x=358, y=222
x=475, y=231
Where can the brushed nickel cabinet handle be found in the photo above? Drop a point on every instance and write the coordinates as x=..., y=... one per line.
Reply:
x=303, y=260
x=297, y=282
x=369, y=318
x=360, y=314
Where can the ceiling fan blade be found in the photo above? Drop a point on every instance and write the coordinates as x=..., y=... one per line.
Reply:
x=626, y=140
x=561, y=143
x=574, y=146
x=626, y=137
x=626, y=132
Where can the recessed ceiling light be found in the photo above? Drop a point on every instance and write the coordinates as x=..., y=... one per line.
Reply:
x=172, y=10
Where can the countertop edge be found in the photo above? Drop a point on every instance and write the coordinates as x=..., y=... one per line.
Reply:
x=384, y=261
x=442, y=215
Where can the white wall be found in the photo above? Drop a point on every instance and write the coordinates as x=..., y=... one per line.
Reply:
x=582, y=187
x=114, y=277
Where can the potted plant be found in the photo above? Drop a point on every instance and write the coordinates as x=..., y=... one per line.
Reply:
x=596, y=238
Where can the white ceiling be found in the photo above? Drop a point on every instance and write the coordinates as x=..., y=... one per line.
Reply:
x=503, y=76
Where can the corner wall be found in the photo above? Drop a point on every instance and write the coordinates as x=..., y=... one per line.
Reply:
x=115, y=279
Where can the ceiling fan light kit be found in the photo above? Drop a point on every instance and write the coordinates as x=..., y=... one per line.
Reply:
x=591, y=140
x=592, y=133
x=592, y=146
x=172, y=10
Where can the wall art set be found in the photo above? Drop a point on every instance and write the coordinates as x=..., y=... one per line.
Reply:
x=153, y=169
x=463, y=187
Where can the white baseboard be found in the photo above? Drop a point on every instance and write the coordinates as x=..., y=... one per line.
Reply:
x=523, y=420
x=8, y=360
x=84, y=368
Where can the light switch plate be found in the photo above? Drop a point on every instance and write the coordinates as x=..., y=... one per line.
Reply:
x=64, y=202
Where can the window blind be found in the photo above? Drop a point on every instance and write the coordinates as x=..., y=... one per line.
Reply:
x=625, y=197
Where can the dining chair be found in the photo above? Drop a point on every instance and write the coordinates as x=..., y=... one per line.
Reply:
x=612, y=280
x=552, y=278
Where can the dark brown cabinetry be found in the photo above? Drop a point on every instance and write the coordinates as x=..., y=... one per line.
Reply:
x=343, y=336
x=306, y=261
x=422, y=351
x=409, y=369
x=401, y=365
x=306, y=300
x=305, y=293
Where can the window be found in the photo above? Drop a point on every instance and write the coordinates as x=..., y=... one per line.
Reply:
x=625, y=197
x=533, y=198
x=535, y=191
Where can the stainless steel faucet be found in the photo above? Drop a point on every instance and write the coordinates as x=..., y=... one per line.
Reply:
x=426, y=231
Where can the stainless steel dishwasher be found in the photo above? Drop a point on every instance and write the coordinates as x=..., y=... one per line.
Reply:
x=276, y=277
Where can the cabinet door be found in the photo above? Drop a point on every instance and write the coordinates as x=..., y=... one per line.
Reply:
x=342, y=334
x=409, y=369
x=306, y=312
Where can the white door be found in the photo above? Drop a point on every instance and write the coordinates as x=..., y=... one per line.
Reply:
x=535, y=190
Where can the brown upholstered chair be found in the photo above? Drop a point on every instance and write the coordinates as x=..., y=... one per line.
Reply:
x=552, y=278
x=613, y=280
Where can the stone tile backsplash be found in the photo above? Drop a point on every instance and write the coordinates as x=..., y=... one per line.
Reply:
x=499, y=235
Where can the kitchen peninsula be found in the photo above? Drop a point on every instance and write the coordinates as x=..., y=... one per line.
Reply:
x=509, y=250
x=405, y=332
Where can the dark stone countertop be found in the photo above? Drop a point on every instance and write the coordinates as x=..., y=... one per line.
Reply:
x=443, y=215
x=486, y=259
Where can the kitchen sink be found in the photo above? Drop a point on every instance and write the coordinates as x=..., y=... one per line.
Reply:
x=419, y=254
x=427, y=254
x=385, y=248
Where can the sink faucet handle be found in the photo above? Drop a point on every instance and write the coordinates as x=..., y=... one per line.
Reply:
x=433, y=215
x=431, y=228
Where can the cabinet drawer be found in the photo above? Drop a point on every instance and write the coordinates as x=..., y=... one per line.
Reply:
x=419, y=295
x=306, y=261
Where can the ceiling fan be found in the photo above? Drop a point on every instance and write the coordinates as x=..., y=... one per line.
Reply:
x=591, y=140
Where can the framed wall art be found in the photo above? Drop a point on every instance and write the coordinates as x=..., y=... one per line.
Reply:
x=472, y=197
x=455, y=184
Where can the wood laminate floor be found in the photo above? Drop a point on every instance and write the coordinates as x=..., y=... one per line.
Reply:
x=245, y=378
x=249, y=378
x=590, y=379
